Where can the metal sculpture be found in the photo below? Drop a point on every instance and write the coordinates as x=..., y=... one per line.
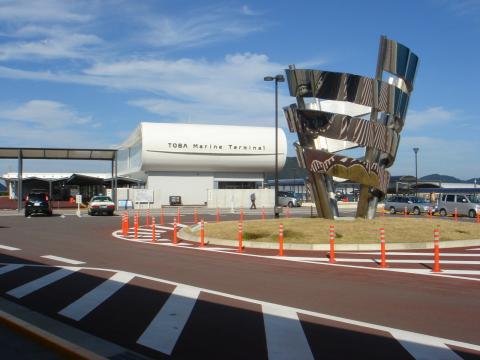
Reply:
x=338, y=123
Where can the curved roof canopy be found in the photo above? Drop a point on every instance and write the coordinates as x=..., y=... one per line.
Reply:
x=57, y=153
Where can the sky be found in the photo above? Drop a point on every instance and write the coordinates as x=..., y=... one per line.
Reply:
x=85, y=73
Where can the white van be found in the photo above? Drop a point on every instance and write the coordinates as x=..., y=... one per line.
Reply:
x=464, y=203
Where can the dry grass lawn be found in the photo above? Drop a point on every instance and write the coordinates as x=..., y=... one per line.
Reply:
x=314, y=230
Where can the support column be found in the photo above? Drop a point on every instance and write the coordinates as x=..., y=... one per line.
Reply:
x=115, y=182
x=19, y=182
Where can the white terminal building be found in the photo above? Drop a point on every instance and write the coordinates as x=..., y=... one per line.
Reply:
x=191, y=160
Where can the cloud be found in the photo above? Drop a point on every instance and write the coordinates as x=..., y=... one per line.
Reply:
x=42, y=11
x=43, y=114
x=195, y=28
x=249, y=12
x=418, y=119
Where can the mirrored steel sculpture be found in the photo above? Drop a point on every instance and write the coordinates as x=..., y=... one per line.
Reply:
x=340, y=111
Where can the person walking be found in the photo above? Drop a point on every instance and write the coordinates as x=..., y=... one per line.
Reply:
x=252, y=199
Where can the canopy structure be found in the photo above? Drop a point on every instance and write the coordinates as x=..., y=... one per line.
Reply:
x=60, y=154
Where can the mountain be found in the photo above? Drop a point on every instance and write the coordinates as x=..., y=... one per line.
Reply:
x=443, y=178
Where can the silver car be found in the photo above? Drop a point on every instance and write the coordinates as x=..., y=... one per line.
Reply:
x=413, y=204
x=288, y=198
x=464, y=203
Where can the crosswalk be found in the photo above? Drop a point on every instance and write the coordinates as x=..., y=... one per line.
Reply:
x=173, y=324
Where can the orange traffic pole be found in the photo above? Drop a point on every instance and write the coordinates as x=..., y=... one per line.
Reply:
x=174, y=230
x=263, y=213
x=430, y=212
x=123, y=224
x=478, y=217
x=405, y=212
x=383, y=261
x=127, y=225
x=195, y=216
x=202, y=234
x=455, y=214
x=135, y=225
x=240, y=237
x=162, y=217
x=332, y=244
x=154, y=235
x=280, y=240
x=148, y=217
x=436, y=250
x=218, y=215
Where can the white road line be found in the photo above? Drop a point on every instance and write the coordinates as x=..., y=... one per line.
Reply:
x=9, y=248
x=284, y=334
x=167, y=326
x=424, y=346
x=88, y=302
x=37, y=284
x=444, y=254
x=474, y=249
x=179, y=225
x=9, y=267
x=430, y=261
x=462, y=272
x=62, y=259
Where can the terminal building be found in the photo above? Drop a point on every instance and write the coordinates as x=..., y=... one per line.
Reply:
x=183, y=161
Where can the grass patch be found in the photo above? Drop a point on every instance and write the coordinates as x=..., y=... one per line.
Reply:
x=358, y=231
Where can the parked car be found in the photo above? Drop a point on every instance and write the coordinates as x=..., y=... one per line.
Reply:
x=38, y=202
x=413, y=204
x=464, y=203
x=101, y=204
x=288, y=198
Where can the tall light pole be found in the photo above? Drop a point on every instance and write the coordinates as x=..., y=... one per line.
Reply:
x=415, y=150
x=277, y=78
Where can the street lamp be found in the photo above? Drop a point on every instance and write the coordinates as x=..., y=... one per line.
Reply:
x=415, y=150
x=277, y=79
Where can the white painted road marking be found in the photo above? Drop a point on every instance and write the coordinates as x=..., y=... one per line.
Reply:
x=284, y=333
x=442, y=254
x=424, y=346
x=163, y=332
x=9, y=267
x=9, y=248
x=62, y=259
x=88, y=302
x=37, y=284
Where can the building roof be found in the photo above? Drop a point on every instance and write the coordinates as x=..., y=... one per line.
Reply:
x=57, y=153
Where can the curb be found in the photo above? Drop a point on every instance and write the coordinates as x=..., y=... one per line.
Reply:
x=182, y=234
x=51, y=341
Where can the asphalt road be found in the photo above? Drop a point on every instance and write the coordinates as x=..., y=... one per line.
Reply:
x=180, y=302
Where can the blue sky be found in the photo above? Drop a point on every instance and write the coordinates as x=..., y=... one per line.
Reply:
x=85, y=73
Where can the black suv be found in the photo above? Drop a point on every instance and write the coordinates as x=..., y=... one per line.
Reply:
x=38, y=203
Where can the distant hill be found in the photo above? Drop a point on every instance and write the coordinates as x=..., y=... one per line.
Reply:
x=444, y=178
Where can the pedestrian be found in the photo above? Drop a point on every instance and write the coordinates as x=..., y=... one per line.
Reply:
x=252, y=199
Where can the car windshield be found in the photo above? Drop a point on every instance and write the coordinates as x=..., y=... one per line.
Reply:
x=37, y=197
x=101, y=198
x=419, y=201
x=474, y=198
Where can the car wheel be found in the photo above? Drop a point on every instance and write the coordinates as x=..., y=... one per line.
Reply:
x=472, y=214
x=27, y=214
x=290, y=204
x=110, y=213
x=443, y=212
x=392, y=210
x=416, y=211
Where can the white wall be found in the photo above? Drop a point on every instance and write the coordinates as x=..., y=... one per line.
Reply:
x=192, y=187
x=240, y=198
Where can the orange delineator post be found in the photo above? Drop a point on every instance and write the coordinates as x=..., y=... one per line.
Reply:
x=195, y=216
x=154, y=235
x=280, y=240
x=240, y=237
x=162, y=217
x=332, y=244
x=436, y=250
x=263, y=213
x=202, y=234
x=148, y=217
x=383, y=257
x=478, y=217
x=174, y=230
x=123, y=225
x=455, y=214
x=430, y=212
x=135, y=226
x=405, y=212
x=218, y=215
